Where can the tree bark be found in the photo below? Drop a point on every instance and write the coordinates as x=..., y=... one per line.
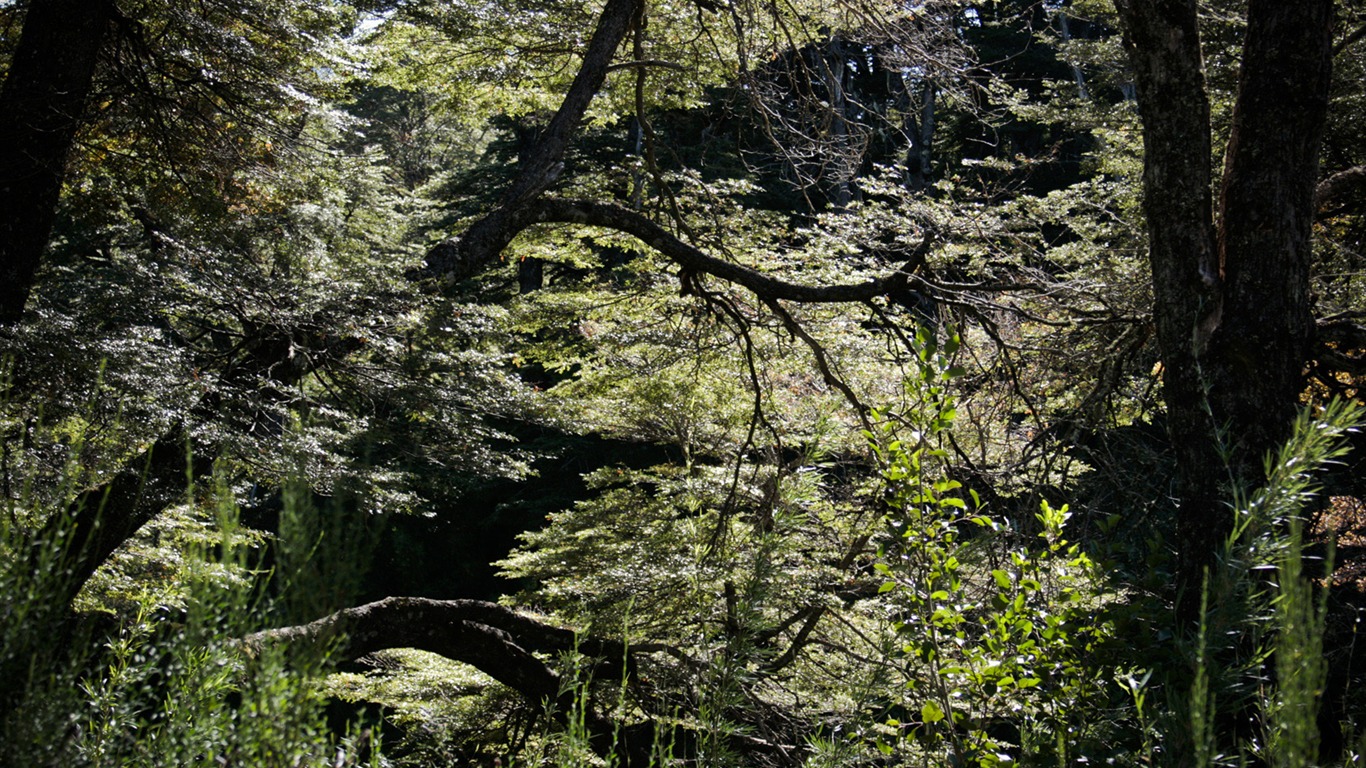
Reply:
x=1266, y=213
x=1163, y=42
x=41, y=106
x=1230, y=305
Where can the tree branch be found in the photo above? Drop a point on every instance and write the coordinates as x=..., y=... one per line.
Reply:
x=1339, y=346
x=496, y=640
x=1339, y=185
x=486, y=239
x=504, y=645
x=690, y=258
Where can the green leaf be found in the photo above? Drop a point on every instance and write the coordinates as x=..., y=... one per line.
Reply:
x=931, y=713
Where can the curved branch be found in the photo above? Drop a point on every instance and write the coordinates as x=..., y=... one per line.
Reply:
x=1339, y=185
x=693, y=259
x=502, y=644
x=495, y=639
x=643, y=63
x=486, y=239
x=1339, y=346
x=1350, y=39
x=463, y=258
x=477, y=633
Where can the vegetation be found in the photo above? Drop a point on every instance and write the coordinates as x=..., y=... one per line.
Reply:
x=648, y=383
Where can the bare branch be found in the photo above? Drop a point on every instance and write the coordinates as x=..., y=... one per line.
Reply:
x=643, y=63
x=488, y=636
x=1339, y=346
x=504, y=645
x=1350, y=39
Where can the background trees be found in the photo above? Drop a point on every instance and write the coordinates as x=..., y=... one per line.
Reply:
x=812, y=307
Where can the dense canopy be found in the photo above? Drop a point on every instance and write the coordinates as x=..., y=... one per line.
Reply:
x=664, y=382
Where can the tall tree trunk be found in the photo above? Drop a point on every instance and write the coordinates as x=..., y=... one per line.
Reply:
x=41, y=106
x=918, y=125
x=1230, y=306
x=1266, y=211
x=1163, y=42
x=841, y=172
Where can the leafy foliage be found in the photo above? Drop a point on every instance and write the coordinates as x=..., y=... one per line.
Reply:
x=976, y=571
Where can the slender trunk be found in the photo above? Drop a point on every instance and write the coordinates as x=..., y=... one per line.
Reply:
x=41, y=106
x=918, y=126
x=636, y=140
x=845, y=163
x=1065, y=30
x=928, y=97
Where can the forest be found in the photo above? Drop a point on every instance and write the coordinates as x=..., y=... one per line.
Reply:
x=651, y=383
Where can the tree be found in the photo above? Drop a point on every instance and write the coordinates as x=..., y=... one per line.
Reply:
x=196, y=88
x=683, y=302
x=1230, y=286
x=43, y=103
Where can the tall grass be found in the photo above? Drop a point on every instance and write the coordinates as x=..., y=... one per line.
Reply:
x=160, y=679
x=1258, y=664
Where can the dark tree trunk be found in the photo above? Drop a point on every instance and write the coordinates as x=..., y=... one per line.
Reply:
x=1231, y=306
x=530, y=274
x=1164, y=47
x=41, y=107
x=918, y=124
x=1266, y=212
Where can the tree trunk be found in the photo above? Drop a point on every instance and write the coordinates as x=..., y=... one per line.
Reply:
x=1231, y=306
x=41, y=106
x=1266, y=212
x=840, y=172
x=918, y=125
x=1163, y=43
